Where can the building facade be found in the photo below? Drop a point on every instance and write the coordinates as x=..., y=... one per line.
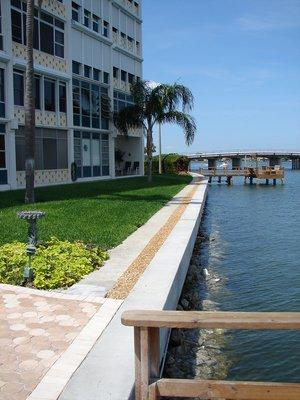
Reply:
x=86, y=55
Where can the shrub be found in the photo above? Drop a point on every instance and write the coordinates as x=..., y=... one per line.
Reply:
x=56, y=263
x=171, y=164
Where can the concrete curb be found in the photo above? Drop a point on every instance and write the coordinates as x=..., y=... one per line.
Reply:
x=107, y=373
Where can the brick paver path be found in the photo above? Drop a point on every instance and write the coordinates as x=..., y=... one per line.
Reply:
x=34, y=331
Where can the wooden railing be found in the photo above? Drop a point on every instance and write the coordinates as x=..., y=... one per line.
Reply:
x=148, y=385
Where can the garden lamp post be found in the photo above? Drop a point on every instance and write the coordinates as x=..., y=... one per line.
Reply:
x=31, y=217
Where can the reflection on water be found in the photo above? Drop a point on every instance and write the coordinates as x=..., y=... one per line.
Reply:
x=253, y=257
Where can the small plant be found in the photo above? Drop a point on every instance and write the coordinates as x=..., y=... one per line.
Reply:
x=56, y=263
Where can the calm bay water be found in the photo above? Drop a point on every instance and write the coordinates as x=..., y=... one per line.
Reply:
x=253, y=257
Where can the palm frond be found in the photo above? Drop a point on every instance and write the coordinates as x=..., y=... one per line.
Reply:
x=128, y=117
x=185, y=121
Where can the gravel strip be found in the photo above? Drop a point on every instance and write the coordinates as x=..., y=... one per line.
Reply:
x=127, y=281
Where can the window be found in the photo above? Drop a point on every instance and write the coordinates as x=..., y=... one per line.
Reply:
x=105, y=26
x=96, y=23
x=76, y=67
x=1, y=36
x=129, y=38
x=75, y=11
x=62, y=97
x=91, y=154
x=106, y=77
x=48, y=32
x=37, y=92
x=123, y=75
x=87, y=18
x=122, y=100
x=115, y=72
x=87, y=71
x=130, y=78
x=96, y=74
x=115, y=30
x=123, y=35
x=2, y=94
x=51, y=149
x=88, y=104
x=2, y=149
x=18, y=88
x=49, y=94
x=137, y=47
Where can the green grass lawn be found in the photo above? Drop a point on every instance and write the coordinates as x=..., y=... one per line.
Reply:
x=103, y=213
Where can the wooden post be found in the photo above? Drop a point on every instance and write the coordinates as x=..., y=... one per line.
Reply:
x=267, y=181
x=137, y=351
x=145, y=363
x=274, y=182
x=154, y=346
x=220, y=179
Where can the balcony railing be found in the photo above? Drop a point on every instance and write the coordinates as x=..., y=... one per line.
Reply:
x=148, y=385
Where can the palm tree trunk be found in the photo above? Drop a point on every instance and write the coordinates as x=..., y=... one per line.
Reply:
x=29, y=107
x=149, y=154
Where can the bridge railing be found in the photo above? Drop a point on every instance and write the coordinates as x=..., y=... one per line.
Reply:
x=149, y=385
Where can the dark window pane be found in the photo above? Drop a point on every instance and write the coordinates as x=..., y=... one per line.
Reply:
x=18, y=89
x=47, y=18
x=2, y=143
x=36, y=34
x=59, y=24
x=1, y=84
x=75, y=67
x=50, y=153
x=36, y=91
x=47, y=44
x=62, y=98
x=49, y=89
x=16, y=26
x=2, y=159
x=105, y=77
x=62, y=156
x=59, y=37
x=20, y=152
x=59, y=50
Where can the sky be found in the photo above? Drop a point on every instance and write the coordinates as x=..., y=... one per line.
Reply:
x=240, y=58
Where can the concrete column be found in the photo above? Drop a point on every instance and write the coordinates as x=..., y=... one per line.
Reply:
x=212, y=163
x=296, y=163
x=274, y=161
x=236, y=163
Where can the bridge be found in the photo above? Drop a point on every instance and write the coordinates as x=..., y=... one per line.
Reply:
x=236, y=156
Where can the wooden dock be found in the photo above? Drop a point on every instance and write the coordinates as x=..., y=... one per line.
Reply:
x=249, y=174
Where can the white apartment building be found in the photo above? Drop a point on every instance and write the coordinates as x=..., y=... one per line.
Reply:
x=87, y=52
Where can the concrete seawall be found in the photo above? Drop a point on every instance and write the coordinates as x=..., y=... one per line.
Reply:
x=107, y=373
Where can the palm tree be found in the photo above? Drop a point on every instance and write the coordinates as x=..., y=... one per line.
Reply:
x=161, y=104
x=29, y=106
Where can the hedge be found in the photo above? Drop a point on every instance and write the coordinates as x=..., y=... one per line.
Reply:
x=171, y=164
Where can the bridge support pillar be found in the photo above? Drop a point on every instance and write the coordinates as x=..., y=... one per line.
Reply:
x=274, y=182
x=274, y=161
x=267, y=181
x=209, y=179
x=212, y=163
x=219, y=179
x=251, y=180
x=296, y=163
x=236, y=163
x=228, y=180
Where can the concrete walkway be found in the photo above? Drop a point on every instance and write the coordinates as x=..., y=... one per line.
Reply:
x=107, y=373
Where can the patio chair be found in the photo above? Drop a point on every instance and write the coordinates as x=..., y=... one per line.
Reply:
x=127, y=168
x=136, y=167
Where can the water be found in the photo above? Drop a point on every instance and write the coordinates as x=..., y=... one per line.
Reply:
x=254, y=249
